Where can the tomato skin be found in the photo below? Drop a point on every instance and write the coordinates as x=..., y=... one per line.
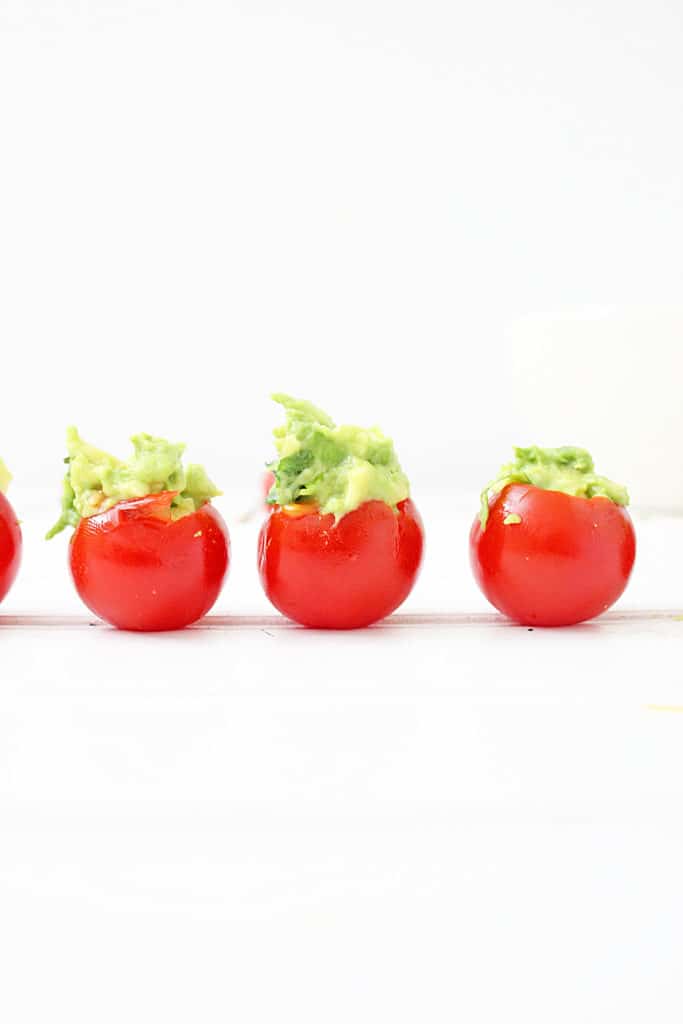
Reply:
x=568, y=559
x=344, y=576
x=10, y=546
x=138, y=569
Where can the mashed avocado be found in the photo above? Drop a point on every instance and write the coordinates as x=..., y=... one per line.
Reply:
x=569, y=470
x=95, y=480
x=337, y=468
x=5, y=477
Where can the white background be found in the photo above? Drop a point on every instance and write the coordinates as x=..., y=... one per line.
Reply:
x=383, y=206
x=463, y=222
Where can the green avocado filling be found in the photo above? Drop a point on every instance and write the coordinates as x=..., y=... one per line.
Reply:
x=5, y=477
x=95, y=480
x=338, y=468
x=569, y=470
x=512, y=520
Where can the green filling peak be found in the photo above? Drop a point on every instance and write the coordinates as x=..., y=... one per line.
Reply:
x=96, y=481
x=338, y=468
x=5, y=477
x=569, y=470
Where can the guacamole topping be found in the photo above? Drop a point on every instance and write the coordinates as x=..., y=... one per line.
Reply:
x=569, y=470
x=95, y=480
x=5, y=477
x=337, y=468
x=512, y=520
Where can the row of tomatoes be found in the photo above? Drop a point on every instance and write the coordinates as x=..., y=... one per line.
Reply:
x=545, y=558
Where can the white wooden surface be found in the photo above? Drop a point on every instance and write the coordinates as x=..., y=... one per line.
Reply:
x=443, y=818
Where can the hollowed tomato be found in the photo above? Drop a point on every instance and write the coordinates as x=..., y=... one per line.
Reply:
x=343, y=575
x=139, y=569
x=551, y=559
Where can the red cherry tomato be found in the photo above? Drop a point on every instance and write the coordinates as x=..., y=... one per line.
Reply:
x=139, y=569
x=10, y=546
x=267, y=483
x=343, y=576
x=566, y=561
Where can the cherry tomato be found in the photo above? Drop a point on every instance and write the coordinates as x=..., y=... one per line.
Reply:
x=340, y=576
x=139, y=569
x=567, y=559
x=10, y=546
x=267, y=483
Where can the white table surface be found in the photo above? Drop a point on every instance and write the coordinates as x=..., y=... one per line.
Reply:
x=442, y=818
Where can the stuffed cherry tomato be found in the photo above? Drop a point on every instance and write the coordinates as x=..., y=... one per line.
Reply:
x=343, y=545
x=553, y=544
x=10, y=537
x=149, y=551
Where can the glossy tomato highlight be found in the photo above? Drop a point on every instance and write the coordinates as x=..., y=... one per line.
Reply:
x=551, y=559
x=341, y=576
x=10, y=546
x=138, y=569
